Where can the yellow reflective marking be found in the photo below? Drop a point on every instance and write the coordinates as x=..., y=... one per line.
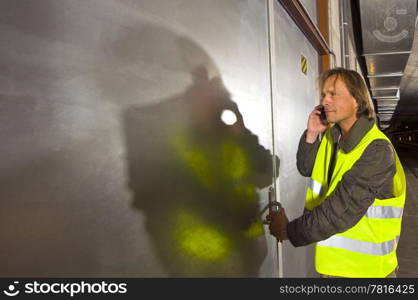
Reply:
x=304, y=64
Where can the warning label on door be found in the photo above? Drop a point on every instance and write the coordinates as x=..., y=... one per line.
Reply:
x=304, y=64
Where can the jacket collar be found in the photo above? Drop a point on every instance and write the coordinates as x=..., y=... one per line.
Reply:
x=357, y=132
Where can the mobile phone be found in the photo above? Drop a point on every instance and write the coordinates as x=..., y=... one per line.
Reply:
x=323, y=116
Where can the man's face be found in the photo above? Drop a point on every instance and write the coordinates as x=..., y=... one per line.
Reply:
x=339, y=105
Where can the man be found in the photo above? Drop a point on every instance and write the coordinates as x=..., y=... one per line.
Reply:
x=356, y=194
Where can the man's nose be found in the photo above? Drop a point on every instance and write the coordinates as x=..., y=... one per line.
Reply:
x=326, y=100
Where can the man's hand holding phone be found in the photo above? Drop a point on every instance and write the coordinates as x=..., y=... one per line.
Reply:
x=317, y=123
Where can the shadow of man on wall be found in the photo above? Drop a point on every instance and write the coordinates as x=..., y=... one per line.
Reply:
x=194, y=170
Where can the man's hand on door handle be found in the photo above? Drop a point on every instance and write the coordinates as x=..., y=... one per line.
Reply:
x=278, y=224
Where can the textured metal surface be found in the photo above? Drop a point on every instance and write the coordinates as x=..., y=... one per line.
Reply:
x=114, y=159
x=407, y=110
x=387, y=25
x=376, y=82
x=386, y=110
x=306, y=24
x=385, y=117
x=387, y=33
x=388, y=102
x=382, y=64
x=392, y=92
x=297, y=94
x=386, y=106
x=310, y=7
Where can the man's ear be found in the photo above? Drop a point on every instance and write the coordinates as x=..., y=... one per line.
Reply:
x=357, y=105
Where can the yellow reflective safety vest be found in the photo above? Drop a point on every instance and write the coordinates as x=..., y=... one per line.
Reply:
x=368, y=249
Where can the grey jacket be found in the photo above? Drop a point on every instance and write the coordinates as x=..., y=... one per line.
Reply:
x=370, y=177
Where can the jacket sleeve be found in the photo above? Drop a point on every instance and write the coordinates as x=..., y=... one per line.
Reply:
x=305, y=157
x=370, y=177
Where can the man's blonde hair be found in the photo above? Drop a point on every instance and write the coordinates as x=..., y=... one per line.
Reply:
x=356, y=86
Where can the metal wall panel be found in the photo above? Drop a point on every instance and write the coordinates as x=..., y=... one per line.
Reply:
x=114, y=159
x=295, y=96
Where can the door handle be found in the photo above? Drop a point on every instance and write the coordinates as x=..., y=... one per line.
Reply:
x=273, y=205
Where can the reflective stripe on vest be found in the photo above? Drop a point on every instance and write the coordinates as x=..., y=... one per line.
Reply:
x=370, y=248
x=384, y=212
x=374, y=212
x=315, y=186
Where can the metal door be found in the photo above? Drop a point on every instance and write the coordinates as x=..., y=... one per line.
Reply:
x=136, y=138
x=295, y=93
